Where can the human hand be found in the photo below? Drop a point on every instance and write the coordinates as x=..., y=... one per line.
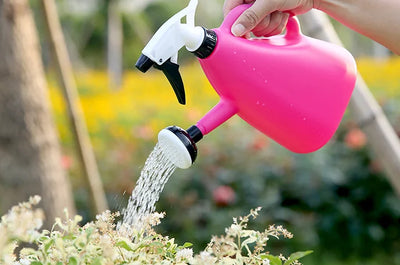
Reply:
x=266, y=17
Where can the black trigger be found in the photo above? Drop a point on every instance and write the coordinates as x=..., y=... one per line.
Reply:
x=171, y=71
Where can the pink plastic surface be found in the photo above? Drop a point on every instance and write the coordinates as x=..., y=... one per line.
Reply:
x=293, y=88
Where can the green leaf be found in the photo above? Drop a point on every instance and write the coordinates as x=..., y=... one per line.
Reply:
x=43, y=238
x=36, y=263
x=48, y=245
x=72, y=261
x=124, y=245
x=89, y=232
x=272, y=259
x=296, y=256
x=69, y=236
x=156, y=244
x=187, y=245
x=158, y=247
x=97, y=261
x=159, y=250
x=170, y=255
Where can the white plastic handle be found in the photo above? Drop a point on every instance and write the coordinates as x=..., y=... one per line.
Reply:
x=173, y=35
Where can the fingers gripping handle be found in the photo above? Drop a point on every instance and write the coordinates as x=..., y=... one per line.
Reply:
x=232, y=16
x=292, y=28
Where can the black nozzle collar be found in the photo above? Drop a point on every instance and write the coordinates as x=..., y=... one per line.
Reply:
x=195, y=133
x=208, y=44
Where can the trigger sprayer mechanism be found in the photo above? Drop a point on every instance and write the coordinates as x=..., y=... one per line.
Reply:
x=162, y=50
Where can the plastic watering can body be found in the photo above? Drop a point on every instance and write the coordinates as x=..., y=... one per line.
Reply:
x=293, y=88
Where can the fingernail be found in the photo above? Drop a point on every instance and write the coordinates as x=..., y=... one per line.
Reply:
x=238, y=30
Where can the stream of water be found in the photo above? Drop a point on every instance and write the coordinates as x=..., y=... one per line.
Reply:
x=155, y=173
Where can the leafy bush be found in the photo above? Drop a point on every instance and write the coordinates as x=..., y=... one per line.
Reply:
x=99, y=242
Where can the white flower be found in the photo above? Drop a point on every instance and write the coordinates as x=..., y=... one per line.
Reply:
x=233, y=230
x=34, y=200
x=22, y=262
x=205, y=256
x=104, y=216
x=185, y=253
x=154, y=218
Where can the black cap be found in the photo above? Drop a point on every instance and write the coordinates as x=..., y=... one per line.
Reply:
x=208, y=44
x=195, y=133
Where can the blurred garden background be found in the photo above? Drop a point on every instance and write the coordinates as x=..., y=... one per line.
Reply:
x=336, y=201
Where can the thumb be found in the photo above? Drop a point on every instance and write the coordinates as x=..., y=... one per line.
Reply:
x=251, y=17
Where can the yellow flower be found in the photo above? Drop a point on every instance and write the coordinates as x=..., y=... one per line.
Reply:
x=381, y=76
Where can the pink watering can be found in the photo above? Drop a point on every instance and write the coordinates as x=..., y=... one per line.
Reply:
x=291, y=87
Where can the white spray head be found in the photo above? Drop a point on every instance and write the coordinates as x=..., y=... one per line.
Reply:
x=173, y=35
x=179, y=145
x=162, y=50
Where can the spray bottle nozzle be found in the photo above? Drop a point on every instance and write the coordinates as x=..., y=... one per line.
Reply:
x=180, y=145
x=144, y=63
x=162, y=50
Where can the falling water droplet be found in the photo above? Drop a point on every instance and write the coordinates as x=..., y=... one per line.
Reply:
x=155, y=173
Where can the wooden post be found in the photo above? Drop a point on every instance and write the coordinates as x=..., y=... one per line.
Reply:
x=114, y=45
x=30, y=154
x=75, y=112
x=382, y=138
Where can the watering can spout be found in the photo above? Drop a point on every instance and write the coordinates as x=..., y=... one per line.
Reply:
x=179, y=145
x=216, y=116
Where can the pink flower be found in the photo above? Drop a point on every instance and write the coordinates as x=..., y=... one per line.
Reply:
x=260, y=142
x=144, y=132
x=224, y=195
x=193, y=115
x=355, y=139
x=66, y=162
